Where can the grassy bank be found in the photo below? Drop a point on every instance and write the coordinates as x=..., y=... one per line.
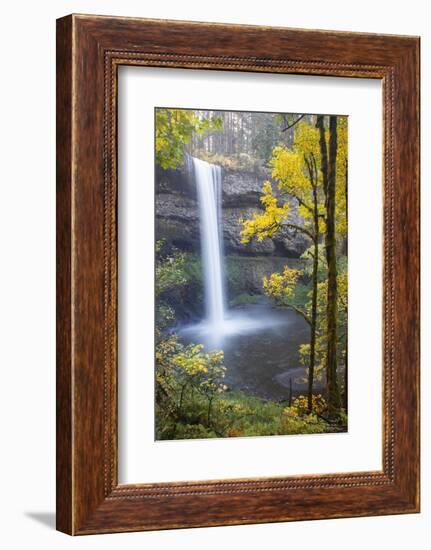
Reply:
x=236, y=414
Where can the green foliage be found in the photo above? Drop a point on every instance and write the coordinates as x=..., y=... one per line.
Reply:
x=234, y=273
x=169, y=268
x=181, y=372
x=188, y=302
x=342, y=307
x=301, y=296
x=237, y=414
x=193, y=268
x=169, y=276
x=174, y=130
x=321, y=332
x=192, y=399
x=322, y=264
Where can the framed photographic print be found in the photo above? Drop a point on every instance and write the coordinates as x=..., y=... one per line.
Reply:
x=237, y=274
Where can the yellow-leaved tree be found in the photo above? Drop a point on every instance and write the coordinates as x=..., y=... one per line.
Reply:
x=312, y=174
x=174, y=130
x=180, y=368
x=297, y=173
x=333, y=153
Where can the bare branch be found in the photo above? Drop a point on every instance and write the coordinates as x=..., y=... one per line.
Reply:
x=298, y=198
x=300, y=312
x=292, y=124
x=299, y=228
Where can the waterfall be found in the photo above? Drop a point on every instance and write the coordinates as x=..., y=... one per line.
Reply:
x=209, y=190
x=220, y=323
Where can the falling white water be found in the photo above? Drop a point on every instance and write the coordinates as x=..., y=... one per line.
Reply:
x=219, y=322
x=209, y=188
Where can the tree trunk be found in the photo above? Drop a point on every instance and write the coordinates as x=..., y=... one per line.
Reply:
x=290, y=392
x=313, y=326
x=329, y=176
x=346, y=379
x=346, y=355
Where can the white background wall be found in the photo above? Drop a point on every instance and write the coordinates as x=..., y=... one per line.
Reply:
x=27, y=239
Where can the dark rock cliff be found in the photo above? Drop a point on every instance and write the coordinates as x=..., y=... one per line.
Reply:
x=177, y=221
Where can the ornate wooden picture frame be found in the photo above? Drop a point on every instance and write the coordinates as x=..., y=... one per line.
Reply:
x=89, y=51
